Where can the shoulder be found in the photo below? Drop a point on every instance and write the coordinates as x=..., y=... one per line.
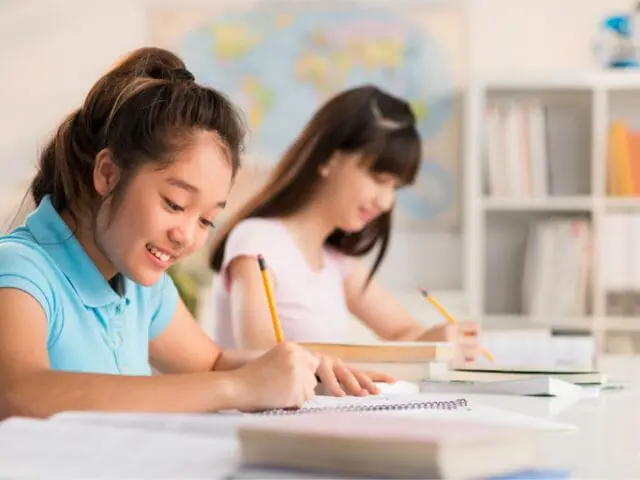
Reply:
x=255, y=236
x=22, y=254
x=24, y=265
x=252, y=227
x=343, y=262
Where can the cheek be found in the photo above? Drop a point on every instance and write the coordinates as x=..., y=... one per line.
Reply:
x=201, y=240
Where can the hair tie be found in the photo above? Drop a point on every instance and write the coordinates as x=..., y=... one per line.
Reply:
x=184, y=74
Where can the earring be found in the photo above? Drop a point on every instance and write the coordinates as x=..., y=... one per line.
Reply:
x=324, y=171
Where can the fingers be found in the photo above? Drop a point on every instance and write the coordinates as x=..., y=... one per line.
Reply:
x=349, y=381
x=381, y=377
x=366, y=382
x=330, y=383
x=468, y=341
x=468, y=329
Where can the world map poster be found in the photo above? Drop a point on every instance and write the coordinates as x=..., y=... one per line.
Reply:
x=280, y=63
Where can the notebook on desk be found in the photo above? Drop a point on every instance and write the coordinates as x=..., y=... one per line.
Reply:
x=387, y=446
x=452, y=407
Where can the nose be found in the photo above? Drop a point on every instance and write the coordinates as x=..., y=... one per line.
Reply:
x=184, y=236
x=386, y=198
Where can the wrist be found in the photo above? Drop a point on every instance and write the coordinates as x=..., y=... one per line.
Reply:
x=234, y=359
x=225, y=390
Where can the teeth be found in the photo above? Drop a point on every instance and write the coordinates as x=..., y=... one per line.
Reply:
x=163, y=257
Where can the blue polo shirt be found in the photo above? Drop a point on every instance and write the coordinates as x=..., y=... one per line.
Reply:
x=90, y=328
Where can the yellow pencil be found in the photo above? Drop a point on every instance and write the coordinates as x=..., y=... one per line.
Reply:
x=443, y=311
x=272, y=305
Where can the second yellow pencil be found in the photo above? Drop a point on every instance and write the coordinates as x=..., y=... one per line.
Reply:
x=443, y=311
x=272, y=304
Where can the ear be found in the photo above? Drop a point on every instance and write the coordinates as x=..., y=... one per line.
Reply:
x=325, y=168
x=105, y=173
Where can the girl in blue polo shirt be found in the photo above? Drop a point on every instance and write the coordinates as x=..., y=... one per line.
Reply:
x=130, y=183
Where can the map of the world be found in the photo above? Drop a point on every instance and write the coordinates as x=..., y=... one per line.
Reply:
x=279, y=67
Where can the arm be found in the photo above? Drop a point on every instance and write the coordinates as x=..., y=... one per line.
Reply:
x=183, y=347
x=29, y=387
x=377, y=308
x=252, y=325
x=381, y=312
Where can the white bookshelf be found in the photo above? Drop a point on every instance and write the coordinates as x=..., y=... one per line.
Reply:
x=578, y=109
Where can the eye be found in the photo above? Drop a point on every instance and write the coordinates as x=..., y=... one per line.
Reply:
x=172, y=205
x=384, y=179
x=207, y=223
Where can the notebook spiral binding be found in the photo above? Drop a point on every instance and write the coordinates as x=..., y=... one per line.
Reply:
x=425, y=405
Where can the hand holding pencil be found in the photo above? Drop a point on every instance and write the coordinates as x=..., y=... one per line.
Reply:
x=468, y=330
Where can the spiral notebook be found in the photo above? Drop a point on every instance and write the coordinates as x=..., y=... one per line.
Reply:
x=432, y=405
x=373, y=403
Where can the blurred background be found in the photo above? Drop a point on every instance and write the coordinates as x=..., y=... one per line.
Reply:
x=525, y=214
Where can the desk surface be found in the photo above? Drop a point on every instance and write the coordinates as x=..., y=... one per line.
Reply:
x=607, y=441
x=605, y=445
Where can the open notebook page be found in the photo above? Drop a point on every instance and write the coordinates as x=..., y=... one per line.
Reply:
x=225, y=424
x=45, y=449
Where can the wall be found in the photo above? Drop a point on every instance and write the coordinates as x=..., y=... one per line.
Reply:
x=52, y=51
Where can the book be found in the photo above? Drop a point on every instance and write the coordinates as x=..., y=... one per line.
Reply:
x=383, y=352
x=493, y=374
x=540, y=386
x=388, y=446
x=408, y=361
x=406, y=371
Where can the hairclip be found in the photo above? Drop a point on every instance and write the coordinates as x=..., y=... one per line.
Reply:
x=386, y=122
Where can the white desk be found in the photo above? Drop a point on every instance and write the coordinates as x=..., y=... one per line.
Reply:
x=606, y=444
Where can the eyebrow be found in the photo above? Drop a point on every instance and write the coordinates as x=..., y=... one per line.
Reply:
x=176, y=182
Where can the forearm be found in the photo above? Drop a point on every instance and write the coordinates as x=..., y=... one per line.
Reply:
x=232, y=359
x=48, y=392
x=409, y=334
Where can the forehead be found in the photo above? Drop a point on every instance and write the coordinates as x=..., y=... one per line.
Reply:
x=203, y=163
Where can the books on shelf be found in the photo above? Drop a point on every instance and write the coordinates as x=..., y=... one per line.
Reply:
x=532, y=150
x=623, y=160
x=619, y=263
x=557, y=269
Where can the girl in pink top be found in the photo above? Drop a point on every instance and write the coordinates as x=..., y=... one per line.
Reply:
x=328, y=202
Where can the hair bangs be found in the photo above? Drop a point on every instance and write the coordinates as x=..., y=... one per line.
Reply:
x=397, y=153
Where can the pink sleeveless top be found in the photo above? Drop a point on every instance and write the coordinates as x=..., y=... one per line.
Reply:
x=311, y=304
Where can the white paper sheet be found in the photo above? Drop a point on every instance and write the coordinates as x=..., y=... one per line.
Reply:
x=49, y=449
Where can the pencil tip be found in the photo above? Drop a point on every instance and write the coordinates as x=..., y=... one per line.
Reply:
x=424, y=292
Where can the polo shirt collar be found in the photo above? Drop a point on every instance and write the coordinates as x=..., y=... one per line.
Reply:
x=57, y=239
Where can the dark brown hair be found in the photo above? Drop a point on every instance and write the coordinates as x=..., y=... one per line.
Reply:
x=364, y=120
x=144, y=109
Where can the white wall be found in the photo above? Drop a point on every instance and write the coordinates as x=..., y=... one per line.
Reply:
x=51, y=51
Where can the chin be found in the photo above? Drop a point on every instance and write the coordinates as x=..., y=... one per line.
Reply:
x=353, y=227
x=145, y=278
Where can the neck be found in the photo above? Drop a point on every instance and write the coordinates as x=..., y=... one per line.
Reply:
x=311, y=226
x=85, y=238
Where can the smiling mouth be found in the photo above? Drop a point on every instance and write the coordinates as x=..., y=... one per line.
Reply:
x=366, y=215
x=159, y=254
